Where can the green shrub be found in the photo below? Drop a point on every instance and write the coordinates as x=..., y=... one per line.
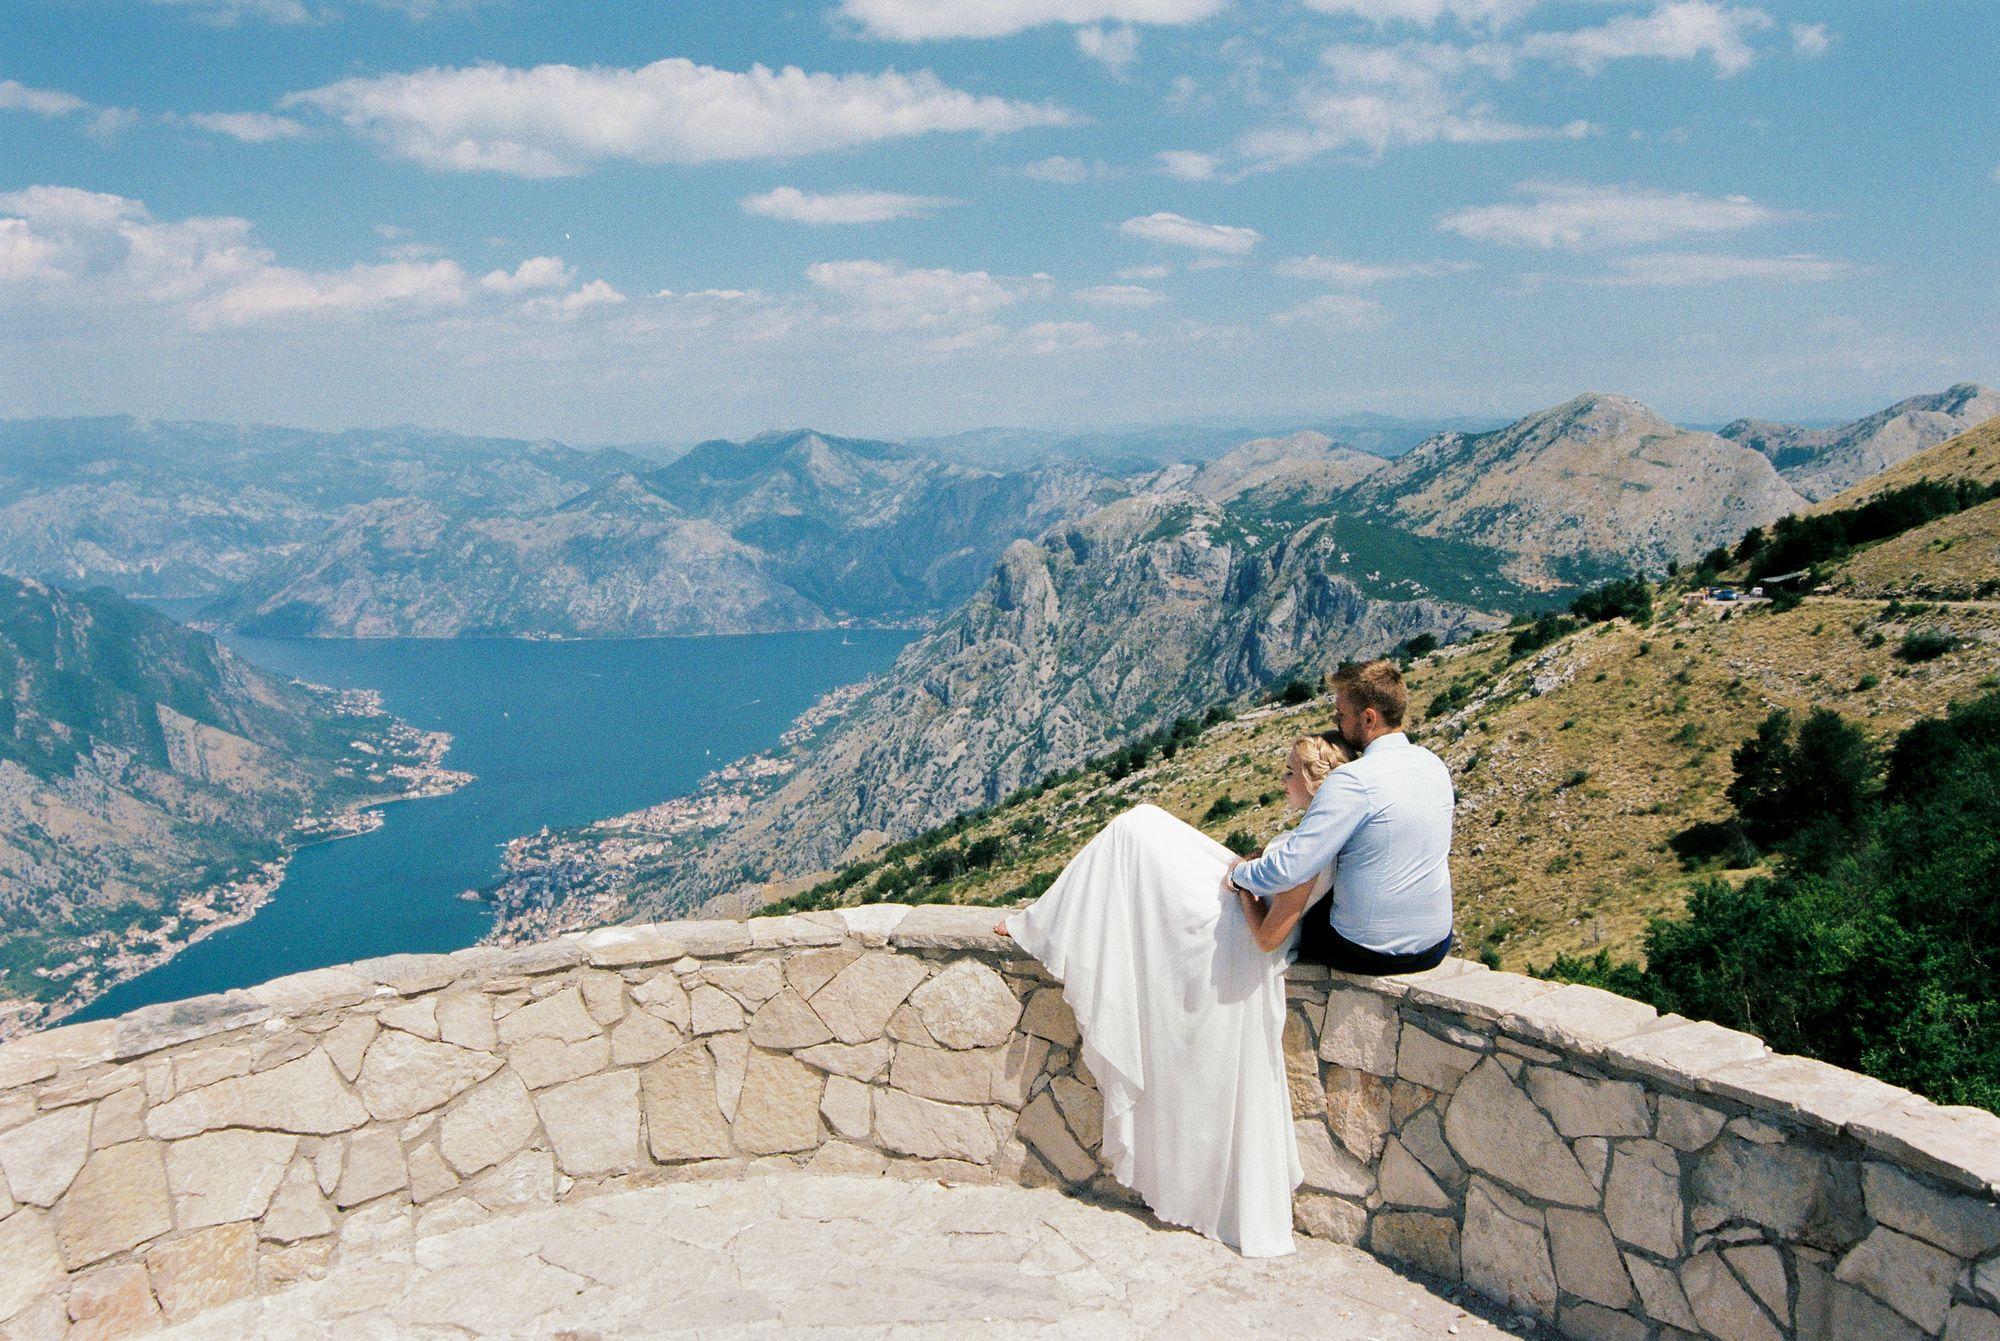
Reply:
x=1926, y=645
x=1628, y=598
x=1545, y=629
x=1223, y=807
x=1295, y=692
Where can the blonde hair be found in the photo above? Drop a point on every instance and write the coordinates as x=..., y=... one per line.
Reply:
x=1318, y=757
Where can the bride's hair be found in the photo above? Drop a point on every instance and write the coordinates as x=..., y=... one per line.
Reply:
x=1318, y=757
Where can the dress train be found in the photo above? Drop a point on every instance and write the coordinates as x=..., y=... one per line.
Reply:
x=1182, y=1021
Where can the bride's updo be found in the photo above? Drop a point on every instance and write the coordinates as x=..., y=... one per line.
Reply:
x=1318, y=757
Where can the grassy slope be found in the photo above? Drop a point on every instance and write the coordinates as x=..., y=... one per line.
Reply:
x=1575, y=764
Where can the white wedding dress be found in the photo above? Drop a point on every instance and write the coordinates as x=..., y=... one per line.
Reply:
x=1182, y=1019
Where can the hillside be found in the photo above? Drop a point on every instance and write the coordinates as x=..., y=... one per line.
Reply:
x=156, y=508
x=1823, y=462
x=1588, y=488
x=1576, y=761
x=1954, y=557
x=151, y=784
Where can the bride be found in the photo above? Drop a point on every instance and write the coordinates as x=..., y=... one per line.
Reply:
x=1180, y=1000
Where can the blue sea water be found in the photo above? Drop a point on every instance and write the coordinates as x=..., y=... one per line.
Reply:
x=557, y=732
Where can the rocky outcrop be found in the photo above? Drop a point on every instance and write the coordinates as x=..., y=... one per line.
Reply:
x=1564, y=1152
x=1599, y=484
x=1821, y=462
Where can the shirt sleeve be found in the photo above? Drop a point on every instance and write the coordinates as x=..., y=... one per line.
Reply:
x=1337, y=810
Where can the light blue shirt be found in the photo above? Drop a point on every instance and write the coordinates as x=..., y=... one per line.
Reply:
x=1385, y=819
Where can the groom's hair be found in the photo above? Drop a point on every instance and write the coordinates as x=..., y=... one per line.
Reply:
x=1377, y=685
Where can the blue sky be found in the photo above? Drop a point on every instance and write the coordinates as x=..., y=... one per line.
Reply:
x=610, y=222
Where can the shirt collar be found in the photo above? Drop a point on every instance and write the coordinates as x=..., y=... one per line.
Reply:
x=1390, y=739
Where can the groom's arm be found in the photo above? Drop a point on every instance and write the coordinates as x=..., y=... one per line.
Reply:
x=1337, y=810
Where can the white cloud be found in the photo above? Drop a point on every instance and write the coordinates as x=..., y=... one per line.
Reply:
x=1488, y=13
x=557, y=120
x=1177, y=231
x=1045, y=339
x=26, y=258
x=1335, y=313
x=227, y=13
x=531, y=276
x=841, y=207
x=87, y=252
x=1188, y=165
x=1113, y=48
x=594, y=294
x=1679, y=30
x=1144, y=272
x=920, y=20
x=1358, y=274
x=271, y=291
x=1064, y=170
x=1680, y=269
x=1571, y=214
x=51, y=102
x=1376, y=98
x=249, y=127
x=882, y=296
x=1811, y=39
x=1120, y=295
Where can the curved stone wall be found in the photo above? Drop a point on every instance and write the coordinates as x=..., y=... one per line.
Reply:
x=1570, y=1153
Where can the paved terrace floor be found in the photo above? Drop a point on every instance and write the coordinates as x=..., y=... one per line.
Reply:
x=832, y=1255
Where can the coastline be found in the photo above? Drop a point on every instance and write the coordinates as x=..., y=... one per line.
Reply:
x=561, y=880
x=123, y=956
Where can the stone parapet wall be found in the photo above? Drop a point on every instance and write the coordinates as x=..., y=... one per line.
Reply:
x=1570, y=1153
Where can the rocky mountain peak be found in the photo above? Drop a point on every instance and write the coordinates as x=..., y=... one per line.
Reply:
x=1821, y=462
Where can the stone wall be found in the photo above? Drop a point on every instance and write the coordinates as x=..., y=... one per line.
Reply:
x=1559, y=1149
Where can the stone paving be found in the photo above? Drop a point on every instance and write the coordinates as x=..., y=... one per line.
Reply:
x=840, y=1256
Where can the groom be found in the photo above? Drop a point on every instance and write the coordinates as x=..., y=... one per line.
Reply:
x=1386, y=818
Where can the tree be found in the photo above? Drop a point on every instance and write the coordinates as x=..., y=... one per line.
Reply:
x=1628, y=597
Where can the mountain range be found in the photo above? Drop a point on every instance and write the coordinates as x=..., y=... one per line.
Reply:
x=403, y=532
x=1067, y=608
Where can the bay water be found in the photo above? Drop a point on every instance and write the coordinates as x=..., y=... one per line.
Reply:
x=558, y=733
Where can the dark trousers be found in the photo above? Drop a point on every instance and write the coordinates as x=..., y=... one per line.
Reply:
x=1319, y=943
